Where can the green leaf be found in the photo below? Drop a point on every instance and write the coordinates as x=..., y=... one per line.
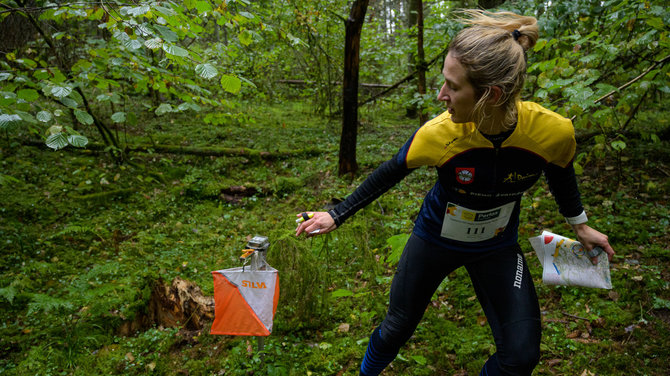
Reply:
x=618, y=145
x=420, y=359
x=132, y=44
x=57, y=141
x=83, y=117
x=189, y=106
x=341, y=293
x=61, y=91
x=77, y=140
x=27, y=117
x=248, y=82
x=397, y=244
x=154, y=43
x=44, y=116
x=660, y=303
x=131, y=118
x=203, y=6
x=7, y=120
x=55, y=129
x=69, y=102
x=136, y=11
x=5, y=76
x=167, y=33
x=245, y=37
x=230, y=83
x=174, y=50
x=247, y=15
x=206, y=71
x=163, y=109
x=119, y=117
x=28, y=95
x=656, y=23
x=540, y=45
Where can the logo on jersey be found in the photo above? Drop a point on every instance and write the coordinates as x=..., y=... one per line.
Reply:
x=516, y=177
x=465, y=175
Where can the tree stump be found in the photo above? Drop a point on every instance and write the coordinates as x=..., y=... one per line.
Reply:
x=179, y=304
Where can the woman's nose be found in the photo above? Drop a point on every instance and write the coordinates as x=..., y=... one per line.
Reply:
x=442, y=94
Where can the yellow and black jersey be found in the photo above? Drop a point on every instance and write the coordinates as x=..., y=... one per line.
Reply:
x=474, y=205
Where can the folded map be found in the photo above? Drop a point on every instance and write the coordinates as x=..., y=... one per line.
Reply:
x=565, y=262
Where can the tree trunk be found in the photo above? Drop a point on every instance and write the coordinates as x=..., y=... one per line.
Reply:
x=353, y=26
x=411, y=109
x=420, y=58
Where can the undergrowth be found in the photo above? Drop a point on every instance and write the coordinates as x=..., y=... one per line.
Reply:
x=83, y=239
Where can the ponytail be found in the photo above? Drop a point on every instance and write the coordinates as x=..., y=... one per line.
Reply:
x=493, y=52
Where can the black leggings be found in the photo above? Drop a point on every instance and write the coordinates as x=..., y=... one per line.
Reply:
x=503, y=286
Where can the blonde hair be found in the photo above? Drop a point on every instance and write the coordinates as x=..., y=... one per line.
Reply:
x=492, y=51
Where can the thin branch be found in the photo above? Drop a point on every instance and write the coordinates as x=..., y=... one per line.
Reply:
x=660, y=62
x=575, y=317
x=634, y=112
x=403, y=80
x=627, y=84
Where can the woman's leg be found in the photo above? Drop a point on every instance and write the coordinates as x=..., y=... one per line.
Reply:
x=421, y=269
x=506, y=292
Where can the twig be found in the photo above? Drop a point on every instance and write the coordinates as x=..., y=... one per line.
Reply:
x=575, y=316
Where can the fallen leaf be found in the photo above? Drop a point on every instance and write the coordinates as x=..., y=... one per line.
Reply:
x=130, y=357
x=343, y=328
x=553, y=362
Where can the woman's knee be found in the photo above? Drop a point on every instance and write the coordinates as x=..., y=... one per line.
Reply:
x=521, y=351
x=395, y=331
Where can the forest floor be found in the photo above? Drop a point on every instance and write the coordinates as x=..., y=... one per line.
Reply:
x=84, y=239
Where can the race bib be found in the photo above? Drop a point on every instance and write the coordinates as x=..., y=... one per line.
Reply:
x=467, y=225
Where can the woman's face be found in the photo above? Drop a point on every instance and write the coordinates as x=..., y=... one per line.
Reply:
x=457, y=92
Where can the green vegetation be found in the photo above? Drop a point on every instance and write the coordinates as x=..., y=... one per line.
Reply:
x=148, y=142
x=84, y=239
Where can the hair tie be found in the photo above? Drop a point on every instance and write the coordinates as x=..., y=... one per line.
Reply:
x=516, y=34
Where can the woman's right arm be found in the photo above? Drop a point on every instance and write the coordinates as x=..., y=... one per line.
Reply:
x=381, y=180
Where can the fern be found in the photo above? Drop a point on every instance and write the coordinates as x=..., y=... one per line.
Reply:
x=6, y=179
x=8, y=293
x=46, y=303
x=77, y=230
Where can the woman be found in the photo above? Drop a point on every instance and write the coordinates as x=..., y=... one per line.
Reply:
x=488, y=148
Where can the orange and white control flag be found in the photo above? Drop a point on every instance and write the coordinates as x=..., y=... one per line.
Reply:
x=245, y=301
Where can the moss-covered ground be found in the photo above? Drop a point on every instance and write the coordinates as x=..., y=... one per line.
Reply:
x=83, y=238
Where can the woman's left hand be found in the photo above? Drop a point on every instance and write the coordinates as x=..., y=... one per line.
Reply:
x=591, y=238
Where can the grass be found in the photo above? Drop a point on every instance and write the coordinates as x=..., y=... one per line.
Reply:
x=83, y=239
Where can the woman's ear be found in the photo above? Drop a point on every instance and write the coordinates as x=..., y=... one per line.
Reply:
x=495, y=95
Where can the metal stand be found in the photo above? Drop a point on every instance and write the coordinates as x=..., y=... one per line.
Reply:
x=259, y=245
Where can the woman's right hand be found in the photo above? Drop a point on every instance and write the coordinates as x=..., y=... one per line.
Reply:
x=319, y=223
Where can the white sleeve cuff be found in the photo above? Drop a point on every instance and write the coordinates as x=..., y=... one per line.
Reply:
x=578, y=220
